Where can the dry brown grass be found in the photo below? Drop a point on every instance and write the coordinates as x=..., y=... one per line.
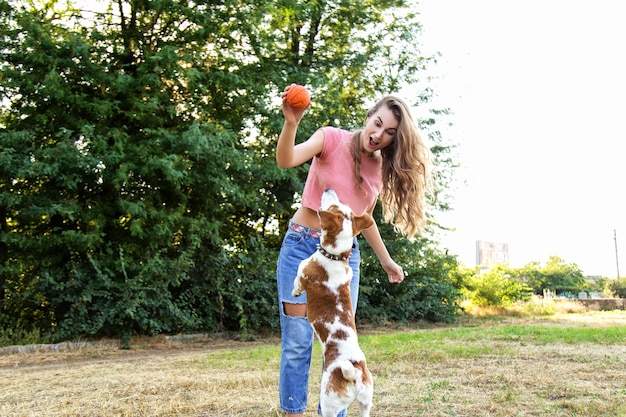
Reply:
x=536, y=306
x=504, y=376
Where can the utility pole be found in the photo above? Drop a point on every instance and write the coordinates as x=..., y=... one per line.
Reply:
x=616, y=257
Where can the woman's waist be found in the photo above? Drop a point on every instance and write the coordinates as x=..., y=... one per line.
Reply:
x=307, y=217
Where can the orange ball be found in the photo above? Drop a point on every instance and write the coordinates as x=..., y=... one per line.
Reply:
x=298, y=97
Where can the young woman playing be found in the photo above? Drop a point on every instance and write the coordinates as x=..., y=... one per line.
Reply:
x=386, y=158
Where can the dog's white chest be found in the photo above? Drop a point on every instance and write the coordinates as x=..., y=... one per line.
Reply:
x=338, y=273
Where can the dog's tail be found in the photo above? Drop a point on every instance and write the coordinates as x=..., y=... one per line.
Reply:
x=350, y=372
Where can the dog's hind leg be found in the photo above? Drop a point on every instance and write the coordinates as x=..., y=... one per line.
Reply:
x=365, y=398
x=365, y=409
x=328, y=410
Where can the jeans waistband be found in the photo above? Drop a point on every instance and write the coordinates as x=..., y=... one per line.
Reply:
x=305, y=230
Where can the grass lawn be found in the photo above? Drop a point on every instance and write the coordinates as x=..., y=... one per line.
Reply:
x=561, y=365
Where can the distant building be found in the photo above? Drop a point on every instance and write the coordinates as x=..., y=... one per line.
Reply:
x=491, y=253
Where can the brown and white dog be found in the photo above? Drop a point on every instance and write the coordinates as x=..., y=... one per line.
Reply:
x=326, y=276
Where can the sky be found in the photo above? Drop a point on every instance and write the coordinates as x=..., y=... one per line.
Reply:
x=538, y=91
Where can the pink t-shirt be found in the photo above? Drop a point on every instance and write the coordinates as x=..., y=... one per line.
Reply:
x=334, y=168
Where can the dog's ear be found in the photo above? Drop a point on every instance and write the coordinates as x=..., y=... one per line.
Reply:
x=329, y=220
x=361, y=222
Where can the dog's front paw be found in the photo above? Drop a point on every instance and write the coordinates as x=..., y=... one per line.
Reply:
x=297, y=287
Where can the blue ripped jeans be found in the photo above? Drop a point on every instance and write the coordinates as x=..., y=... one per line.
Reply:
x=296, y=332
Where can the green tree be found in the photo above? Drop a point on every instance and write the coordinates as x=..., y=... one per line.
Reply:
x=496, y=288
x=555, y=275
x=532, y=275
x=563, y=278
x=595, y=284
x=114, y=189
x=617, y=287
x=138, y=188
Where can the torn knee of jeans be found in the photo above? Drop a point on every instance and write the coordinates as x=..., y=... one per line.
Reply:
x=295, y=309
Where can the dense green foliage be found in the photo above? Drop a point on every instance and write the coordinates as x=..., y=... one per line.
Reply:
x=495, y=288
x=138, y=188
x=502, y=285
x=617, y=287
x=556, y=276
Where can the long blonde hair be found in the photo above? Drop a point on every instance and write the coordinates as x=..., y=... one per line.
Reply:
x=406, y=171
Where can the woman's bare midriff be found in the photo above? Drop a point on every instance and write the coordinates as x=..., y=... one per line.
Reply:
x=307, y=217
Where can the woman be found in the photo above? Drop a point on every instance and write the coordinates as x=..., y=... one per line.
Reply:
x=387, y=158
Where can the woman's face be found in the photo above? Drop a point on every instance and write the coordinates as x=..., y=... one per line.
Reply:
x=379, y=131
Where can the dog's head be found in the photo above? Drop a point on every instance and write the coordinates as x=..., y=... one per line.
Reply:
x=339, y=224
